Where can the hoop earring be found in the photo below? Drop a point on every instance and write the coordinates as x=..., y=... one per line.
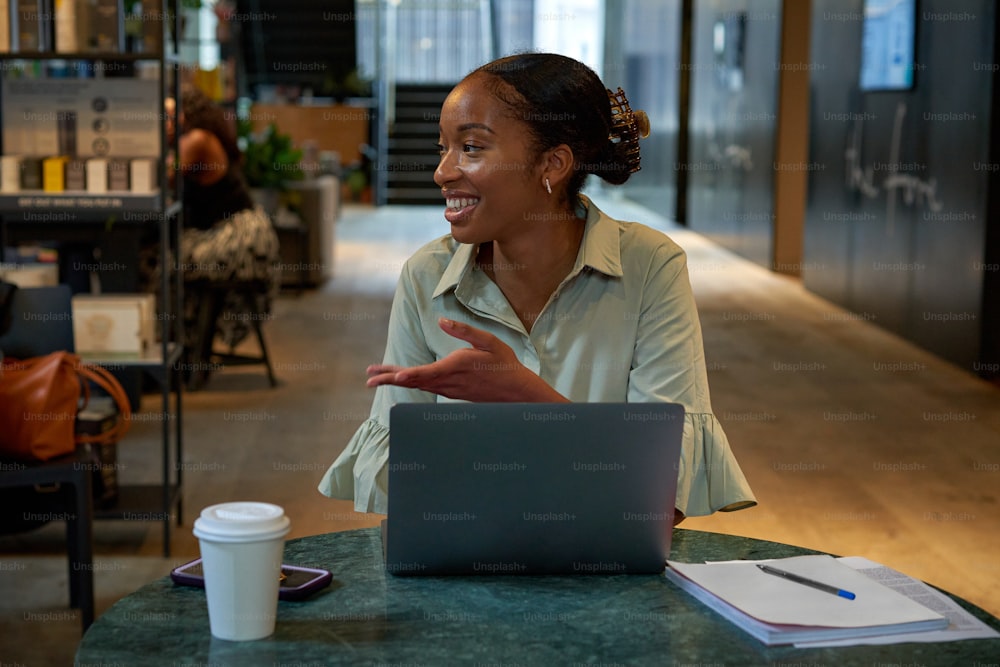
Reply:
x=548, y=186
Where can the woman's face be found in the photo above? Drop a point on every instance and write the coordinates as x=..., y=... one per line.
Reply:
x=488, y=173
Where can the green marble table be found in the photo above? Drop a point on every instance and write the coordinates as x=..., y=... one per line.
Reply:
x=368, y=617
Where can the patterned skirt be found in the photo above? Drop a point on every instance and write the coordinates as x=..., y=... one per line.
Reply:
x=243, y=247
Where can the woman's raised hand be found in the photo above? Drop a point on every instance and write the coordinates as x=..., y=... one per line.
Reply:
x=488, y=371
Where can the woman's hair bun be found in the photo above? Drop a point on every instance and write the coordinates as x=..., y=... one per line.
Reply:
x=613, y=166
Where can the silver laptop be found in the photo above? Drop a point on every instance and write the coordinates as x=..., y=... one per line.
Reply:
x=531, y=488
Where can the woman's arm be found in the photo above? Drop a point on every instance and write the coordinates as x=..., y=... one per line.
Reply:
x=487, y=371
x=669, y=365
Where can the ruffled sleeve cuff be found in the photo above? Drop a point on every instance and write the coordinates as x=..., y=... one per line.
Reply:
x=710, y=479
x=360, y=472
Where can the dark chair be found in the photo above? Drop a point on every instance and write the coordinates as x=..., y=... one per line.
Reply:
x=65, y=493
x=40, y=322
x=64, y=484
x=211, y=298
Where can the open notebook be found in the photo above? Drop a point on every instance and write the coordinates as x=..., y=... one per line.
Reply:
x=776, y=610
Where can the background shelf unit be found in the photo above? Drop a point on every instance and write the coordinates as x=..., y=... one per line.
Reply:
x=80, y=216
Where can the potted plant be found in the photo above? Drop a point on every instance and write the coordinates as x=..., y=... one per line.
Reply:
x=270, y=161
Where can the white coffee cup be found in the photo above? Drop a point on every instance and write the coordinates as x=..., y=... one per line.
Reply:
x=242, y=546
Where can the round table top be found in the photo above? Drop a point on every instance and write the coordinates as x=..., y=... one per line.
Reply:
x=367, y=616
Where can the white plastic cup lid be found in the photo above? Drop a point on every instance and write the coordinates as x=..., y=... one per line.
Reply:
x=242, y=521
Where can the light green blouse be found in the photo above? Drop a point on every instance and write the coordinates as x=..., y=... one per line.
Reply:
x=622, y=327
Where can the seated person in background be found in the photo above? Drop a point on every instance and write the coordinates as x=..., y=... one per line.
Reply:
x=226, y=237
x=536, y=295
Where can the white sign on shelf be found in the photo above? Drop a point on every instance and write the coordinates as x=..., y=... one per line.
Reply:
x=82, y=117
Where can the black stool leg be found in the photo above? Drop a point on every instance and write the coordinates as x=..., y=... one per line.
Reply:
x=211, y=309
x=263, y=353
x=199, y=353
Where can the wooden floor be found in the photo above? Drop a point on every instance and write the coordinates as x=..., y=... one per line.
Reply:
x=855, y=441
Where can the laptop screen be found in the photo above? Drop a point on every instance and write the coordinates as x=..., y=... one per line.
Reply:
x=529, y=488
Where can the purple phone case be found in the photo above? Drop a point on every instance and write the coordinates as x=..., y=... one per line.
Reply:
x=300, y=583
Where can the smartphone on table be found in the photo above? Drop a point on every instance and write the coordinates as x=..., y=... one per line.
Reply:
x=297, y=582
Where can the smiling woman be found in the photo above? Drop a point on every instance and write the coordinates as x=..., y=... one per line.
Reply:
x=536, y=295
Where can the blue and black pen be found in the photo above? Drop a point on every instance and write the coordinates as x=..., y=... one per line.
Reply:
x=818, y=585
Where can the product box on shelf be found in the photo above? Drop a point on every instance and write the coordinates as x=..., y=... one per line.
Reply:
x=29, y=26
x=97, y=176
x=54, y=174
x=118, y=175
x=114, y=324
x=72, y=25
x=107, y=25
x=33, y=253
x=10, y=172
x=152, y=27
x=30, y=275
x=76, y=174
x=83, y=26
x=31, y=173
x=4, y=26
x=143, y=175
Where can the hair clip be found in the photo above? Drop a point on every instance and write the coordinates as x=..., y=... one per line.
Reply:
x=627, y=127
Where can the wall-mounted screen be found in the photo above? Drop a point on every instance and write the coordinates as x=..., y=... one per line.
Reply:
x=888, y=44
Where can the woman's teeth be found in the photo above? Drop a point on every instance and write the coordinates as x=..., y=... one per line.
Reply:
x=460, y=203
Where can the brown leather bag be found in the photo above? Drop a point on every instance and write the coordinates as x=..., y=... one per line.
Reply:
x=39, y=400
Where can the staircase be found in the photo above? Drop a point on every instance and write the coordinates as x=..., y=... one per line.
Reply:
x=411, y=156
